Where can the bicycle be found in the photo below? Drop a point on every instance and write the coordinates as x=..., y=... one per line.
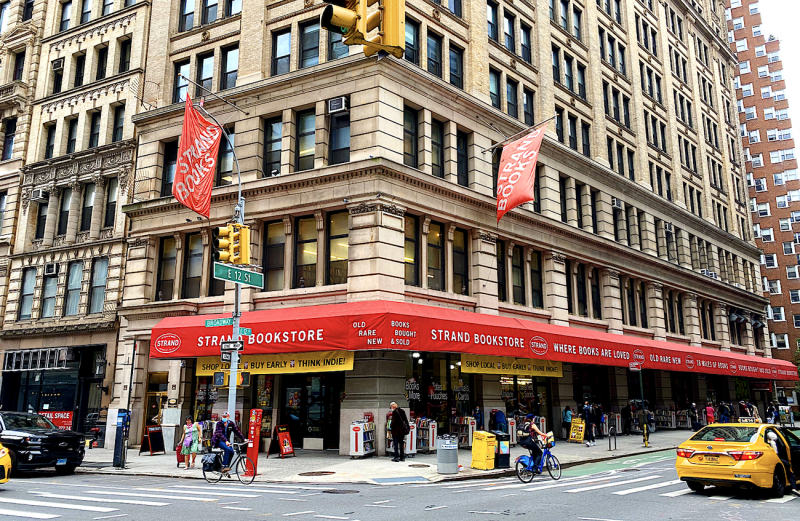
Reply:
x=526, y=465
x=240, y=464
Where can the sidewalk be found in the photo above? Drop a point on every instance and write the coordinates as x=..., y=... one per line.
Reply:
x=307, y=466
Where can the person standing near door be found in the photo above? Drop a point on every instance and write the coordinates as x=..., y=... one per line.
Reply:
x=400, y=428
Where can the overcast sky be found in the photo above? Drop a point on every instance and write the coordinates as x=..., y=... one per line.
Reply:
x=780, y=18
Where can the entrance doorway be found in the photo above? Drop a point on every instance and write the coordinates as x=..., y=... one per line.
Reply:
x=155, y=398
x=310, y=406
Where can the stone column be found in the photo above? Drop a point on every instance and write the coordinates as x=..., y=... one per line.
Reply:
x=605, y=216
x=423, y=252
x=695, y=252
x=52, y=217
x=661, y=238
x=74, y=212
x=177, y=288
x=691, y=319
x=506, y=259
x=451, y=152
x=375, y=269
x=648, y=233
x=621, y=224
x=528, y=282
x=722, y=325
x=483, y=261
x=424, y=139
x=572, y=202
x=749, y=341
x=288, y=253
x=655, y=310
x=288, y=141
x=633, y=225
x=684, y=253
x=713, y=258
x=555, y=287
x=98, y=207
x=586, y=206
x=740, y=275
x=322, y=253
x=549, y=193
x=321, y=134
x=612, y=300
x=448, y=255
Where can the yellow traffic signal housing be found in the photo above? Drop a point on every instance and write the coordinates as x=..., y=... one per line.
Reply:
x=239, y=244
x=222, y=243
x=352, y=19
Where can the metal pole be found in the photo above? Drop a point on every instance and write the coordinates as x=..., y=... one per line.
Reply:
x=644, y=411
x=510, y=138
x=128, y=407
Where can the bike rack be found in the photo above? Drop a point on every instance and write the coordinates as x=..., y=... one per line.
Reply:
x=612, y=433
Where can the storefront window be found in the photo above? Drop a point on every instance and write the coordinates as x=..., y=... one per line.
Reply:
x=274, y=247
x=437, y=389
x=338, y=230
x=410, y=254
x=306, y=253
x=524, y=395
x=435, y=257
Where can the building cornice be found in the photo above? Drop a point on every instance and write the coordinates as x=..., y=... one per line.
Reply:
x=102, y=25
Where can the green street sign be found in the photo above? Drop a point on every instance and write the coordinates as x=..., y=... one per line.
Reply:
x=245, y=331
x=234, y=274
x=219, y=322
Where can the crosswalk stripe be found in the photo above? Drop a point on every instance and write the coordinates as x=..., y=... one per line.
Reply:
x=99, y=499
x=678, y=493
x=212, y=488
x=32, y=503
x=114, y=492
x=207, y=490
x=474, y=485
x=29, y=515
x=647, y=487
x=290, y=514
x=784, y=499
x=571, y=483
x=501, y=487
x=720, y=498
x=612, y=484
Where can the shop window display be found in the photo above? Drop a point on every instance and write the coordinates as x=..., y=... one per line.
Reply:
x=436, y=389
x=524, y=395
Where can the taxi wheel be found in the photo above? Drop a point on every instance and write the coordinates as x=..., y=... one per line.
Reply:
x=13, y=468
x=778, y=483
x=695, y=486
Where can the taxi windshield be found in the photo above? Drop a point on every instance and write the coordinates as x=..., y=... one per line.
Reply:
x=729, y=434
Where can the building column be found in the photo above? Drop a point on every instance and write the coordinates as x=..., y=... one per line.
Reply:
x=549, y=193
x=713, y=259
x=749, y=341
x=684, y=252
x=605, y=216
x=423, y=252
x=424, y=139
x=52, y=216
x=611, y=300
x=177, y=288
x=655, y=310
x=288, y=253
x=633, y=226
x=321, y=137
x=322, y=258
x=694, y=251
x=586, y=207
x=483, y=266
x=555, y=287
x=621, y=224
x=661, y=240
x=648, y=233
x=572, y=202
x=448, y=254
x=691, y=319
x=451, y=152
x=722, y=325
x=507, y=256
x=74, y=212
x=98, y=207
x=528, y=282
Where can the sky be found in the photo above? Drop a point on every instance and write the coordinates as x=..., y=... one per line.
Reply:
x=780, y=18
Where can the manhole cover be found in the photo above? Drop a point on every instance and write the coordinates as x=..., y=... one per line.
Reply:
x=629, y=470
x=317, y=473
x=418, y=466
x=340, y=491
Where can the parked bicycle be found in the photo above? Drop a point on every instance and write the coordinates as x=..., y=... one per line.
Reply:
x=240, y=464
x=527, y=467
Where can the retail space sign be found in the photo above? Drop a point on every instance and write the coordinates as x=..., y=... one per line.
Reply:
x=233, y=274
x=61, y=419
x=577, y=431
x=507, y=365
x=317, y=362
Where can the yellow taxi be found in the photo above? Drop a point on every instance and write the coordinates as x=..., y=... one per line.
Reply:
x=738, y=455
x=5, y=464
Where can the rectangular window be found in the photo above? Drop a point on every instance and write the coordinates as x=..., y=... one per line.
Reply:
x=410, y=144
x=435, y=54
x=26, y=293
x=560, y=124
x=66, y=13
x=86, y=11
x=518, y=275
x=166, y=269
x=94, y=130
x=462, y=159
x=108, y=6
x=340, y=139
x=305, y=273
x=205, y=74
x=281, y=52
x=306, y=141
x=63, y=214
x=309, y=45
x=233, y=7
x=568, y=78
x=87, y=207
x=119, y=123
x=525, y=42
x=494, y=88
x=435, y=272
x=49, y=148
x=581, y=81
x=170, y=163
x=225, y=160
x=209, y=11
x=576, y=24
x=336, y=49
x=125, y=55
x=273, y=131
x=457, y=67
x=536, y=280
x=410, y=251
x=437, y=148
x=511, y=98
x=19, y=65
x=502, y=293
x=572, y=122
x=338, y=232
x=274, y=255
x=27, y=13
x=73, y=289
x=112, y=184
x=181, y=81
x=412, y=41
x=230, y=67
x=460, y=263
x=192, y=265
x=102, y=63
x=556, y=58
x=8, y=141
x=585, y=139
x=527, y=106
x=41, y=220
x=508, y=32
x=491, y=19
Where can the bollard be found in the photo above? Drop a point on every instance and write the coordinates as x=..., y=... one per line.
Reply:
x=612, y=433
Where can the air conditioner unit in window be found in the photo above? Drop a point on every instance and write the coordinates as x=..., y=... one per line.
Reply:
x=713, y=275
x=616, y=203
x=58, y=65
x=668, y=227
x=339, y=104
x=50, y=269
x=40, y=196
x=739, y=285
x=704, y=272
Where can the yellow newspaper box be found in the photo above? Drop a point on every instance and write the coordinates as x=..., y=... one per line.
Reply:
x=483, y=447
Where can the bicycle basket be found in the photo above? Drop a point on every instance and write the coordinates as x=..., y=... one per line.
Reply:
x=550, y=441
x=209, y=462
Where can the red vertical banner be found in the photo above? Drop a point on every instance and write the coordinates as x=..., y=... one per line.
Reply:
x=517, y=172
x=254, y=435
x=197, y=161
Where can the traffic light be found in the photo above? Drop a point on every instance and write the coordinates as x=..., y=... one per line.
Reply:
x=222, y=243
x=351, y=19
x=239, y=244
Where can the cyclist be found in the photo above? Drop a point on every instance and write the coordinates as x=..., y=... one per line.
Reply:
x=221, y=440
x=529, y=442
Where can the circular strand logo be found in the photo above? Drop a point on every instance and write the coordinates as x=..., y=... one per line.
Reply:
x=690, y=361
x=734, y=367
x=539, y=346
x=167, y=343
x=638, y=356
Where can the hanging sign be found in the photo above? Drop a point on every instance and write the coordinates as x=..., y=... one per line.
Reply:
x=317, y=362
x=517, y=172
x=509, y=366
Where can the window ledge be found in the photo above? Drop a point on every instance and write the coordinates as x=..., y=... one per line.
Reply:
x=300, y=293
x=205, y=27
x=638, y=331
x=442, y=296
x=527, y=311
x=680, y=339
x=592, y=323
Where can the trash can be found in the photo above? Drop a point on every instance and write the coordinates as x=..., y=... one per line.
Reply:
x=483, y=449
x=447, y=455
x=502, y=450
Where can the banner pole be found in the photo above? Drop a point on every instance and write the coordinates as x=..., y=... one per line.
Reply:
x=521, y=132
x=215, y=95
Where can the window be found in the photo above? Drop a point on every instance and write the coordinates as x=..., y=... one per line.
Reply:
x=336, y=49
x=462, y=159
x=309, y=45
x=63, y=214
x=435, y=54
x=170, y=163
x=305, y=253
x=340, y=139
x=41, y=220
x=410, y=145
x=525, y=42
x=527, y=106
x=86, y=11
x=518, y=275
x=537, y=297
x=412, y=41
x=230, y=67
x=774, y=287
x=66, y=13
x=795, y=296
x=49, y=148
x=491, y=18
x=788, y=248
x=72, y=135
x=582, y=82
x=338, y=230
x=26, y=293
x=777, y=314
x=209, y=11
x=437, y=148
x=192, y=265
x=511, y=98
x=306, y=124
x=457, y=67
x=119, y=123
x=494, y=88
x=560, y=124
x=225, y=161
x=181, y=81
x=410, y=250
x=166, y=269
x=27, y=13
x=576, y=24
x=88, y=205
x=19, y=65
x=791, y=272
x=508, y=31
x=108, y=6
x=502, y=293
x=436, y=264
x=568, y=78
x=102, y=63
x=556, y=55
x=125, y=55
x=281, y=52
x=8, y=140
x=273, y=131
x=233, y=7
x=274, y=254
x=73, y=289
x=94, y=129
x=585, y=138
x=771, y=260
x=205, y=74
x=741, y=45
x=186, y=20
x=111, y=202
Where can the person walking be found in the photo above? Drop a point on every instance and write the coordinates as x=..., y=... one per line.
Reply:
x=599, y=419
x=694, y=418
x=709, y=413
x=772, y=413
x=723, y=412
x=588, y=419
x=400, y=428
x=191, y=441
x=627, y=419
x=566, y=421
x=644, y=415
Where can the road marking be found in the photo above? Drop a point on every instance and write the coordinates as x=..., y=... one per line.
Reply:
x=647, y=487
x=475, y=485
x=720, y=498
x=188, y=489
x=381, y=506
x=459, y=491
x=99, y=499
x=435, y=508
x=678, y=493
x=501, y=487
x=67, y=506
x=595, y=519
x=381, y=502
x=239, y=508
x=211, y=489
x=482, y=512
x=330, y=517
x=582, y=482
x=306, y=495
x=29, y=515
x=612, y=484
x=291, y=499
x=298, y=513
x=114, y=492
x=110, y=517
x=508, y=495
x=784, y=499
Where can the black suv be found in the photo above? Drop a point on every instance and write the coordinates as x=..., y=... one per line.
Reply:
x=34, y=442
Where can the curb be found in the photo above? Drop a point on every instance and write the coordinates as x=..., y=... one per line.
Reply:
x=492, y=474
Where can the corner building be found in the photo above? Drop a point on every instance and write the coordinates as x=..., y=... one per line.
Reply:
x=375, y=226
x=766, y=132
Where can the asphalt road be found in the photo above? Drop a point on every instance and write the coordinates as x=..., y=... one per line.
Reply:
x=634, y=489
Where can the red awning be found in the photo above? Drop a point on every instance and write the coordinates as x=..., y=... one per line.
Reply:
x=375, y=325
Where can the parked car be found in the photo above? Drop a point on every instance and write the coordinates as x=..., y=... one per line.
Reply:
x=737, y=455
x=34, y=442
x=5, y=465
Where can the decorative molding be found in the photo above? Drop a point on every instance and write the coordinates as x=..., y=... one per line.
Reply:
x=510, y=250
x=392, y=209
x=178, y=242
x=320, y=217
x=4, y=267
x=451, y=230
x=657, y=286
x=491, y=238
x=613, y=274
x=82, y=237
x=99, y=29
x=89, y=95
x=73, y=169
x=558, y=257
x=204, y=236
x=79, y=326
x=107, y=233
x=426, y=224
x=287, y=225
x=693, y=298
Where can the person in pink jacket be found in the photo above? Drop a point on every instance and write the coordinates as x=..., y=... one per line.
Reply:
x=709, y=413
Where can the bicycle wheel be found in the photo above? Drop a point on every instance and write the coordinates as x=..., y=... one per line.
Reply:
x=245, y=470
x=212, y=476
x=553, y=467
x=524, y=473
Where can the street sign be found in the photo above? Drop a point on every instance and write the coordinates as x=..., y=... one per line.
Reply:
x=635, y=366
x=235, y=274
x=231, y=345
x=225, y=357
x=245, y=331
x=216, y=322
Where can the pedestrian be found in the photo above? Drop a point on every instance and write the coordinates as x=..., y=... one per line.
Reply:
x=771, y=413
x=772, y=439
x=477, y=413
x=627, y=417
x=709, y=413
x=566, y=421
x=754, y=412
x=694, y=418
x=221, y=440
x=588, y=419
x=723, y=412
x=599, y=417
x=400, y=428
x=644, y=415
x=191, y=441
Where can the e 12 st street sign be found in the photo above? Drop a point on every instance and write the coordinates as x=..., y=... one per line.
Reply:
x=234, y=274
